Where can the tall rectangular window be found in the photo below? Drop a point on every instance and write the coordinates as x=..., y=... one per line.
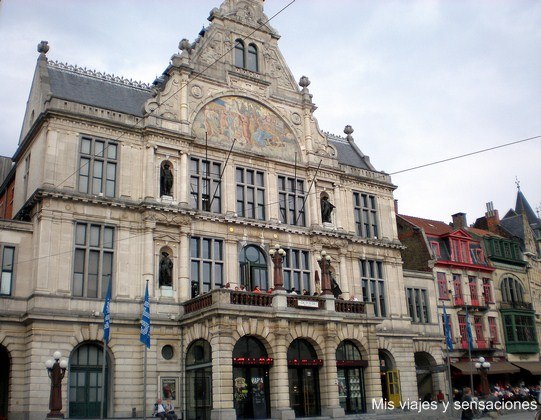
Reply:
x=443, y=291
x=297, y=270
x=207, y=264
x=291, y=196
x=462, y=329
x=205, y=185
x=493, y=329
x=7, y=255
x=457, y=287
x=479, y=331
x=98, y=166
x=373, y=285
x=487, y=291
x=250, y=193
x=365, y=213
x=417, y=305
x=93, y=259
x=474, y=297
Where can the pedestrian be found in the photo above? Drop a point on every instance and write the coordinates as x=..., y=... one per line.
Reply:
x=466, y=404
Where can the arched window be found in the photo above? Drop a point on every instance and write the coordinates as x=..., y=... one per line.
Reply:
x=239, y=54
x=246, y=58
x=349, y=366
x=512, y=290
x=85, y=381
x=303, y=375
x=253, y=268
x=251, y=385
x=252, y=64
x=199, y=380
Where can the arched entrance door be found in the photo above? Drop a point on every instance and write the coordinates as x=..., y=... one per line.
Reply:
x=390, y=378
x=4, y=382
x=253, y=268
x=199, y=381
x=86, y=381
x=350, y=367
x=303, y=369
x=251, y=387
x=423, y=364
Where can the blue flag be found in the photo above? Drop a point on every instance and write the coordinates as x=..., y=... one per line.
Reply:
x=468, y=330
x=107, y=314
x=447, y=329
x=145, y=321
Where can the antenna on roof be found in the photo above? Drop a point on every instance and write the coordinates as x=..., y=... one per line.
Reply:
x=517, y=182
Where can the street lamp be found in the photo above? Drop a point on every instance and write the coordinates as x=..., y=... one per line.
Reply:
x=56, y=369
x=482, y=367
x=324, y=261
x=277, y=254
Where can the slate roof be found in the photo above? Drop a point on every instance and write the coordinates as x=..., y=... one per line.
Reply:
x=349, y=154
x=430, y=227
x=94, y=91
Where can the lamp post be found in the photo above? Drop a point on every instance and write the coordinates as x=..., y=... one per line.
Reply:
x=324, y=261
x=482, y=367
x=277, y=255
x=56, y=369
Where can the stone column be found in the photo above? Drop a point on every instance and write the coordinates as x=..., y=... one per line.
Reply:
x=279, y=377
x=183, y=180
x=149, y=173
x=339, y=211
x=330, y=404
x=184, y=266
x=222, y=371
x=232, y=258
x=344, y=277
x=372, y=376
x=315, y=213
x=148, y=254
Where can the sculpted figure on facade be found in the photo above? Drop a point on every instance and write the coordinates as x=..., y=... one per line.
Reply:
x=326, y=209
x=166, y=180
x=166, y=270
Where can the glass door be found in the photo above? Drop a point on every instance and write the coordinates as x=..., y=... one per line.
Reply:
x=251, y=392
x=304, y=391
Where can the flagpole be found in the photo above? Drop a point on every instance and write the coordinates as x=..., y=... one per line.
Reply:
x=145, y=339
x=448, y=343
x=106, y=333
x=103, y=378
x=145, y=385
x=470, y=343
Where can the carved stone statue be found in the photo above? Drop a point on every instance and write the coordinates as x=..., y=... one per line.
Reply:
x=166, y=270
x=166, y=180
x=326, y=209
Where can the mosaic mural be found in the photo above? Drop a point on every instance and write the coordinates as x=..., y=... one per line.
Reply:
x=256, y=128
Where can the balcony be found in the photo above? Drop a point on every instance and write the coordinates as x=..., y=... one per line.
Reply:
x=485, y=345
x=248, y=301
x=517, y=305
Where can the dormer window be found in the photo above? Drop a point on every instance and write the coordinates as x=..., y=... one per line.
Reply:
x=246, y=58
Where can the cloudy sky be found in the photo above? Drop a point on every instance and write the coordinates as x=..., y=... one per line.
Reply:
x=419, y=81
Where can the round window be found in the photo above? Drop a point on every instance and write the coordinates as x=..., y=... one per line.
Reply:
x=167, y=352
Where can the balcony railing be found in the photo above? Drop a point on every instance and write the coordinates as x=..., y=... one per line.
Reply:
x=350, y=306
x=516, y=305
x=251, y=299
x=274, y=300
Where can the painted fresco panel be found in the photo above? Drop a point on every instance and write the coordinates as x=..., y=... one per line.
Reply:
x=256, y=128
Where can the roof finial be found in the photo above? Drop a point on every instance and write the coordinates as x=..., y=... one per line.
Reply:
x=517, y=182
x=43, y=47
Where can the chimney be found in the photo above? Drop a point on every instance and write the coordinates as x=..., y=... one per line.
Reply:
x=396, y=206
x=459, y=221
x=493, y=218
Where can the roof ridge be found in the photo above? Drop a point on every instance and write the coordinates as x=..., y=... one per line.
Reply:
x=424, y=218
x=99, y=75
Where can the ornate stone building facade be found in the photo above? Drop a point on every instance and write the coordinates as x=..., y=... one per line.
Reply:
x=188, y=184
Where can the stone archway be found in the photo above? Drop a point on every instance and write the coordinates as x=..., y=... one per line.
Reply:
x=424, y=363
